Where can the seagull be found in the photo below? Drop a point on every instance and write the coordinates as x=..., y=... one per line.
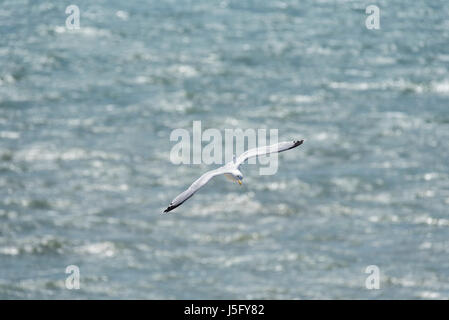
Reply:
x=231, y=170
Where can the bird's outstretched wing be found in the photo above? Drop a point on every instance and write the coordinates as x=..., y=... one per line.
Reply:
x=279, y=147
x=195, y=186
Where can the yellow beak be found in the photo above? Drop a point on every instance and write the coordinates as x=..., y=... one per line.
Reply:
x=240, y=182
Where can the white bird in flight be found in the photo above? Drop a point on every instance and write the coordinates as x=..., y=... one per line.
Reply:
x=231, y=170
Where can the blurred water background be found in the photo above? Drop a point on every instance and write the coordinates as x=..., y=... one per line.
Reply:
x=85, y=120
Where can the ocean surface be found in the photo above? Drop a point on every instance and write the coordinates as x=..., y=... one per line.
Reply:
x=85, y=171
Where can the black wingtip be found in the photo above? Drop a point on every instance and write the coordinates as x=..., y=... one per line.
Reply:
x=171, y=207
x=296, y=143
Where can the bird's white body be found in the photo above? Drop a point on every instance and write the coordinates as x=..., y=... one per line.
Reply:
x=230, y=170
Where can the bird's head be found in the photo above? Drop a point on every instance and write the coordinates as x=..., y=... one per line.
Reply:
x=238, y=176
